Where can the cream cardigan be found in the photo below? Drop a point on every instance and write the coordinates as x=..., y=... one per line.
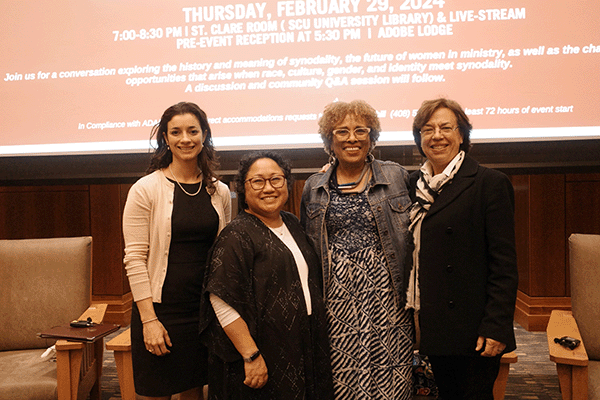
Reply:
x=147, y=231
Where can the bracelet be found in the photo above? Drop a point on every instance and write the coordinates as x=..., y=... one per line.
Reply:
x=252, y=357
x=150, y=320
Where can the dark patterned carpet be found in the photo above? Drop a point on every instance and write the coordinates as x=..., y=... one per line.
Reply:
x=533, y=377
x=110, y=381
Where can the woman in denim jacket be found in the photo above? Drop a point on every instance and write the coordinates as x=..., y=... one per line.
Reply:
x=356, y=215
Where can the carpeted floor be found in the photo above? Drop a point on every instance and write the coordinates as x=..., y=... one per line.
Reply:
x=533, y=377
x=110, y=381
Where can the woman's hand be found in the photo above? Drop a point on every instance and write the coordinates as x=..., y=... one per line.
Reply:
x=156, y=338
x=491, y=347
x=256, y=373
x=325, y=167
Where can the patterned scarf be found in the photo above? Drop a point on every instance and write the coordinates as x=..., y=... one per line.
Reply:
x=427, y=190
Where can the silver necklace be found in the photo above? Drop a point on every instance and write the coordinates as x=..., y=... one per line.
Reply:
x=185, y=191
x=354, y=185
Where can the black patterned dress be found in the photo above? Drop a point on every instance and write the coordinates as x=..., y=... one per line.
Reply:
x=370, y=334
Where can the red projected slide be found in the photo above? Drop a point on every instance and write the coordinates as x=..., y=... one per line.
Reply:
x=95, y=75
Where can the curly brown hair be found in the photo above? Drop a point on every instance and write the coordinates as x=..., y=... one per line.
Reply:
x=335, y=113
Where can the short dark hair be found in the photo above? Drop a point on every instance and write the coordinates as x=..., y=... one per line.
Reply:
x=245, y=164
x=428, y=107
x=162, y=157
x=335, y=113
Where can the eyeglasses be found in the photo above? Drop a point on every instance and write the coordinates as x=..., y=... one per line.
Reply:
x=360, y=133
x=444, y=130
x=276, y=181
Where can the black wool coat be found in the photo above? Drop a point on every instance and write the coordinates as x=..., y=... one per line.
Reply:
x=468, y=270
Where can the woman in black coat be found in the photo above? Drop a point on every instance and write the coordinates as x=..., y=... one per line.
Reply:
x=464, y=281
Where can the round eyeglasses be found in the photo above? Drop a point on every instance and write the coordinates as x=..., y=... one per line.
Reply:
x=344, y=133
x=276, y=181
x=444, y=130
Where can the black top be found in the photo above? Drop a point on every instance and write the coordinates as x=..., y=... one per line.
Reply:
x=194, y=226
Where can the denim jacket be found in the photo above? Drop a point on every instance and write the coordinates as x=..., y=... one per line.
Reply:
x=389, y=200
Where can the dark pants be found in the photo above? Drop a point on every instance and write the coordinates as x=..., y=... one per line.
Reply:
x=465, y=377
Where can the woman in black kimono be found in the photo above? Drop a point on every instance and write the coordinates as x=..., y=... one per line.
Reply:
x=266, y=327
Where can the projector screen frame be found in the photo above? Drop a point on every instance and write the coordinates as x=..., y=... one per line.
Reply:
x=565, y=156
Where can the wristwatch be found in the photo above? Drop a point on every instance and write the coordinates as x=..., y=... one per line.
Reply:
x=252, y=357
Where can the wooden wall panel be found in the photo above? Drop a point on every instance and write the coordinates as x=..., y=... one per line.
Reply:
x=583, y=204
x=547, y=258
x=522, y=229
x=295, y=197
x=110, y=284
x=44, y=212
x=105, y=216
x=540, y=222
x=123, y=191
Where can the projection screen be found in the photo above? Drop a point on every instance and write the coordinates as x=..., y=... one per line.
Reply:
x=93, y=76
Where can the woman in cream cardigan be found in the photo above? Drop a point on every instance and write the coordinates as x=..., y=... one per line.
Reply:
x=171, y=218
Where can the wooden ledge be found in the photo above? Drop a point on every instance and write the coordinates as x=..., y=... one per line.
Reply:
x=562, y=324
x=122, y=342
